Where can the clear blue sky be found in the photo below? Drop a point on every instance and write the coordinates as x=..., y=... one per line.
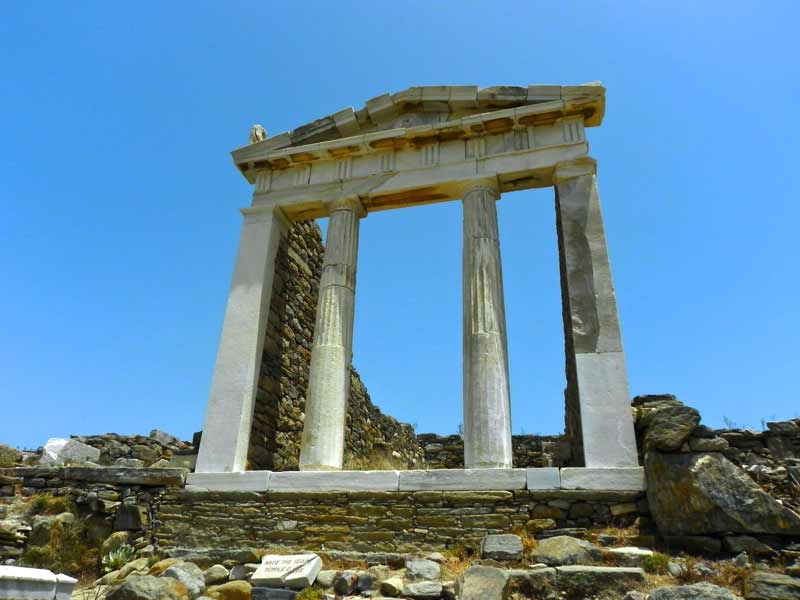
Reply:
x=119, y=220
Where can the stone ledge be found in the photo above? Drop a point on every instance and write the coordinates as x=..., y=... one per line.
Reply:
x=547, y=478
x=543, y=480
x=115, y=475
x=345, y=481
x=613, y=478
x=462, y=479
x=246, y=481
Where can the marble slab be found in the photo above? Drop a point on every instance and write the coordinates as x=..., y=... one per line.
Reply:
x=463, y=479
x=545, y=478
x=243, y=481
x=617, y=479
x=332, y=481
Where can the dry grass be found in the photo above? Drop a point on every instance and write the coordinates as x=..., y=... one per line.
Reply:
x=377, y=461
x=47, y=504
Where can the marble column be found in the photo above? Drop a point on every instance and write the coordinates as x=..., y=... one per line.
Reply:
x=229, y=413
x=487, y=404
x=329, y=375
x=598, y=401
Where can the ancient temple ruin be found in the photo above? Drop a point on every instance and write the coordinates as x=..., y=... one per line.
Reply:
x=419, y=146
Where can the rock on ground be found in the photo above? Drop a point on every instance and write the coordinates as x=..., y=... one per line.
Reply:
x=423, y=590
x=695, y=494
x=483, y=583
x=392, y=587
x=563, y=550
x=148, y=587
x=578, y=581
x=696, y=591
x=763, y=585
x=190, y=575
x=216, y=574
x=58, y=451
x=505, y=546
x=233, y=590
x=422, y=568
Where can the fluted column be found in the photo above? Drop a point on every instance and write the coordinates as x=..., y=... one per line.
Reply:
x=487, y=404
x=329, y=376
x=229, y=413
x=599, y=420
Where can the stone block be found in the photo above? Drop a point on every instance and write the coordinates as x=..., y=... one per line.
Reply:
x=245, y=481
x=506, y=546
x=292, y=570
x=619, y=479
x=347, y=481
x=579, y=581
x=463, y=479
x=34, y=584
x=58, y=451
x=268, y=593
x=547, y=478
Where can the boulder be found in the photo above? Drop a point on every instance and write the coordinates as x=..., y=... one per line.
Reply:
x=504, y=546
x=424, y=590
x=563, y=550
x=421, y=568
x=392, y=587
x=58, y=451
x=483, y=583
x=667, y=425
x=764, y=585
x=147, y=587
x=745, y=543
x=345, y=583
x=190, y=575
x=696, y=591
x=163, y=565
x=233, y=590
x=579, y=581
x=695, y=494
x=114, y=541
x=131, y=517
x=163, y=437
x=325, y=578
x=216, y=574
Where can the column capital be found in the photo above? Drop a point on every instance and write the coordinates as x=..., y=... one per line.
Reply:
x=570, y=169
x=348, y=203
x=486, y=184
x=255, y=214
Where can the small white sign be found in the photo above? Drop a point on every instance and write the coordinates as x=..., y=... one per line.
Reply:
x=288, y=570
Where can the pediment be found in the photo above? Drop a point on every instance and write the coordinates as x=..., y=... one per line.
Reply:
x=422, y=106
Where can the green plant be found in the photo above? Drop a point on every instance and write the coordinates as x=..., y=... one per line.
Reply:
x=67, y=551
x=118, y=557
x=656, y=564
x=46, y=504
x=8, y=456
x=310, y=594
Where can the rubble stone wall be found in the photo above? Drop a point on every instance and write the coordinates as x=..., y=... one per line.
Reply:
x=278, y=416
x=381, y=521
x=447, y=451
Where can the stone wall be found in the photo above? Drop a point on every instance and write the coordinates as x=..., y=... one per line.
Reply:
x=371, y=436
x=107, y=500
x=447, y=452
x=381, y=521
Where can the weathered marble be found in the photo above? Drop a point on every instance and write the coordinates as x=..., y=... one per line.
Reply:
x=314, y=481
x=23, y=583
x=245, y=481
x=487, y=402
x=545, y=478
x=463, y=479
x=598, y=403
x=587, y=478
x=229, y=413
x=329, y=374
